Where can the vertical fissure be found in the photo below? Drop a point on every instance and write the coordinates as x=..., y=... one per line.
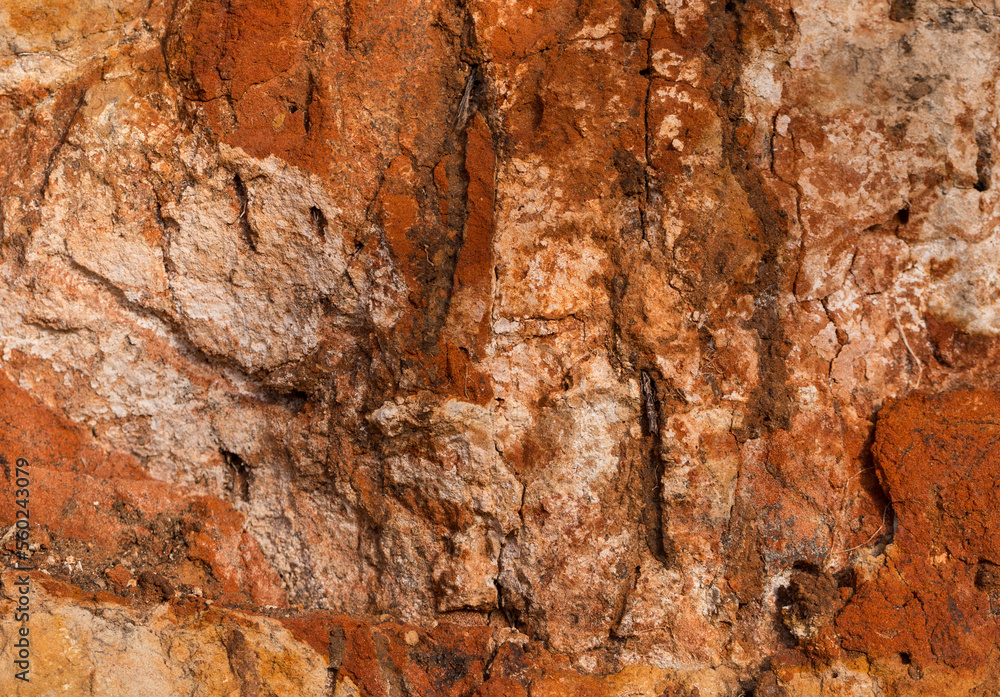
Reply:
x=243, y=200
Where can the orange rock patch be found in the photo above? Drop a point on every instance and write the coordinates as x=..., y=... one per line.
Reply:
x=92, y=510
x=932, y=602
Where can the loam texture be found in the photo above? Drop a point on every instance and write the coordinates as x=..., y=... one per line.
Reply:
x=463, y=348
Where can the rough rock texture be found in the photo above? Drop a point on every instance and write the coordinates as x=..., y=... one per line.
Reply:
x=457, y=347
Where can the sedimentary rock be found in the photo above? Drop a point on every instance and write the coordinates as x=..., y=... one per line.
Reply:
x=543, y=348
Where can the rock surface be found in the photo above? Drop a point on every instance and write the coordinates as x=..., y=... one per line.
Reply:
x=612, y=347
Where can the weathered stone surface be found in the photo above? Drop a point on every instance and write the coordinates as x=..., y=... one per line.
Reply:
x=931, y=599
x=604, y=347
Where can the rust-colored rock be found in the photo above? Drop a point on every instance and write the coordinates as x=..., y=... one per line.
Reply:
x=471, y=348
x=927, y=601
